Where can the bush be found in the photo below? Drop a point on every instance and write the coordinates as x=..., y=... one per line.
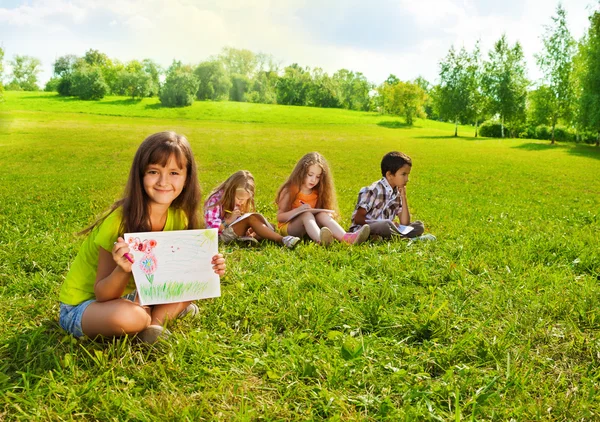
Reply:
x=563, y=134
x=528, y=133
x=52, y=85
x=179, y=89
x=491, y=130
x=65, y=86
x=88, y=83
x=13, y=86
x=543, y=132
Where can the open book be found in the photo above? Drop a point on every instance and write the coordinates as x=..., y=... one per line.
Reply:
x=396, y=229
x=248, y=214
x=299, y=211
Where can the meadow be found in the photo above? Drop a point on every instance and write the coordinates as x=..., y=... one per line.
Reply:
x=497, y=320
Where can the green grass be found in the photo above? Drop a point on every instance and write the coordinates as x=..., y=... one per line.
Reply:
x=498, y=319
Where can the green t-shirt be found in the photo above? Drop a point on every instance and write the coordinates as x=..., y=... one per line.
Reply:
x=79, y=283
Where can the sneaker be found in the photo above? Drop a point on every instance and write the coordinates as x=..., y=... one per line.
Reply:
x=358, y=236
x=326, y=237
x=153, y=333
x=191, y=309
x=290, y=241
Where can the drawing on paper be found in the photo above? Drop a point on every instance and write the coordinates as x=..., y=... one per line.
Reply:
x=174, y=266
x=148, y=262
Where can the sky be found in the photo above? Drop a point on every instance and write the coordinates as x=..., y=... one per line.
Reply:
x=407, y=38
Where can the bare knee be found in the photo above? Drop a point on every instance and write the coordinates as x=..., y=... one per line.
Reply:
x=131, y=319
x=307, y=217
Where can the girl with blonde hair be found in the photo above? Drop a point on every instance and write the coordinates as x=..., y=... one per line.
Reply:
x=230, y=208
x=310, y=186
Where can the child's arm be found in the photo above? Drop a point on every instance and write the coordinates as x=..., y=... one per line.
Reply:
x=114, y=272
x=404, y=214
x=360, y=217
x=364, y=203
x=284, y=211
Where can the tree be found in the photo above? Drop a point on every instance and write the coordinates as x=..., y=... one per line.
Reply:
x=88, y=83
x=322, y=91
x=352, y=90
x=478, y=101
x=239, y=62
x=505, y=83
x=539, y=105
x=64, y=67
x=403, y=98
x=293, y=86
x=134, y=83
x=264, y=88
x=153, y=70
x=556, y=63
x=25, y=70
x=180, y=86
x=589, y=78
x=214, y=82
x=455, y=84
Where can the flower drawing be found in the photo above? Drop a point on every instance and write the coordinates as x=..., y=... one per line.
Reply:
x=148, y=262
x=148, y=266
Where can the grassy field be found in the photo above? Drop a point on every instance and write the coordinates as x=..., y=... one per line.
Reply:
x=497, y=320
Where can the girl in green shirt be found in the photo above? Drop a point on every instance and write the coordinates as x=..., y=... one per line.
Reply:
x=162, y=193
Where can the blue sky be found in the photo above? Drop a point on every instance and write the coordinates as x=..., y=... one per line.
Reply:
x=405, y=37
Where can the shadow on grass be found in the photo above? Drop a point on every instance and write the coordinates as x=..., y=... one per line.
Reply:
x=464, y=138
x=581, y=150
x=394, y=124
x=155, y=106
x=51, y=98
x=128, y=101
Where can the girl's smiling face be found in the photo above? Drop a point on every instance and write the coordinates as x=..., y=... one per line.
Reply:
x=164, y=184
x=312, y=178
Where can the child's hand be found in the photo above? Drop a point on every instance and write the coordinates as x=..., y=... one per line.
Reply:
x=304, y=206
x=218, y=264
x=121, y=255
x=250, y=232
x=402, y=192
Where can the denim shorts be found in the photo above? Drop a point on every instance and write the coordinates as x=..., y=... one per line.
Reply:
x=71, y=315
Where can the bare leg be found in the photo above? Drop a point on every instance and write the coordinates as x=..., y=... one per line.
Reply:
x=167, y=312
x=114, y=318
x=326, y=220
x=305, y=223
x=260, y=227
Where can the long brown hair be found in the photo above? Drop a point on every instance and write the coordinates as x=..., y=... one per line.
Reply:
x=158, y=149
x=241, y=179
x=325, y=188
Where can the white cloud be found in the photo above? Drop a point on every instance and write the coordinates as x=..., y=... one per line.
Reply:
x=406, y=37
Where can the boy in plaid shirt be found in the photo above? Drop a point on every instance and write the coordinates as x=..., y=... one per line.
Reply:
x=379, y=204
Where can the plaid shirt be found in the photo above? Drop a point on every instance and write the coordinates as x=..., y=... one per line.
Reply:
x=213, y=211
x=380, y=200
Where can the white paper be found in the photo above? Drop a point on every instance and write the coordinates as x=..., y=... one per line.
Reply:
x=311, y=210
x=174, y=266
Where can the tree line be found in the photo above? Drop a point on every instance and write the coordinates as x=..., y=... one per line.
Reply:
x=563, y=105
